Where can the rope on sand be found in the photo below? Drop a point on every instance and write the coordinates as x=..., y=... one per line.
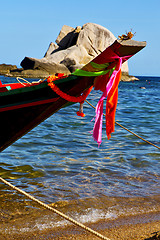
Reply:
x=128, y=129
x=54, y=210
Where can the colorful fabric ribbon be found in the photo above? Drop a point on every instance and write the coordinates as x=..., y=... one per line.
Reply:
x=111, y=92
x=106, y=68
x=107, y=71
x=81, y=72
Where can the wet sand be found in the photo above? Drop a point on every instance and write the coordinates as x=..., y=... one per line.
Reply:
x=142, y=227
x=135, y=219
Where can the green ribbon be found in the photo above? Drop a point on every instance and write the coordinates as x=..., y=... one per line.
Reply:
x=99, y=66
x=80, y=72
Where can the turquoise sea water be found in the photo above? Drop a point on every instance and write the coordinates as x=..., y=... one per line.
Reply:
x=59, y=161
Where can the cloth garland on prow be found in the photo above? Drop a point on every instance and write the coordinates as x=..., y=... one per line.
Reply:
x=107, y=81
x=109, y=85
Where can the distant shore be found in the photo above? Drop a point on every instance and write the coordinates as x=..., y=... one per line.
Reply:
x=10, y=70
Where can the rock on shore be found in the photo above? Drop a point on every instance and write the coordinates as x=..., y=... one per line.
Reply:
x=6, y=68
x=74, y=48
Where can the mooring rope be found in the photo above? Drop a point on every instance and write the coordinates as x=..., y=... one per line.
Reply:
x=23, y=80
x=54, y=210
x=128, y=129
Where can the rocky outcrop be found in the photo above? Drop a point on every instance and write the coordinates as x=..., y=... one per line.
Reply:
x=6, y=68
x=73, y=48
x=125, y=77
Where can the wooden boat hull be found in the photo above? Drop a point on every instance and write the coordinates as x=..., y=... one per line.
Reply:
x=29, y=108
x=24, y=108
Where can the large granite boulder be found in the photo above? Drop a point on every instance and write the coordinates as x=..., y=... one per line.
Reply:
x=74, y=48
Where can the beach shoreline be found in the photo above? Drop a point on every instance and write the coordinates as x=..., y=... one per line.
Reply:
x=135, y=218
x=140, y=227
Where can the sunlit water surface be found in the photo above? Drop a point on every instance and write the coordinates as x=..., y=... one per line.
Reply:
x=59, y=160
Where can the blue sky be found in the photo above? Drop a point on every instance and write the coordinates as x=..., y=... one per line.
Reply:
x=27, y=27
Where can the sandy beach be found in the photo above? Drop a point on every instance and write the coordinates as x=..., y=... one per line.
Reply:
x=142, y=227
x=134, y=219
